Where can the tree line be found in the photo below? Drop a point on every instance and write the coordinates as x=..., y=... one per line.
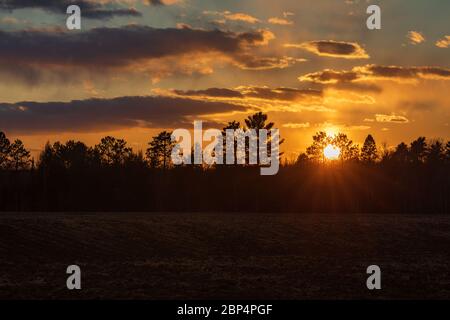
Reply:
x=110, y=176
x=419, y=151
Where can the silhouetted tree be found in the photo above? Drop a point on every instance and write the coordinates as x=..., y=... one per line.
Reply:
x=72, y=155
x=349, y=151
x=233, y=125
x=447, y=151
x=369, y=153
x=386, y=154
x=160, y=150
x=257, y=122
x=418, y=150
x=320, y=141
x=47, y=157
x=20, y=157
x=401, y=153
x=302, y=158
x=5, y=146
x=75, y=181
x=435, y=152
x=113, y=151
x=136, y=160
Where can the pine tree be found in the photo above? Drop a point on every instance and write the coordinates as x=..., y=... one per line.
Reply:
x=160, y=149
x=369, y=153
x=349, y=151
x=5, y=146
x=418, y=150
x=20, y=157
x=320, y=141
x=113, y=151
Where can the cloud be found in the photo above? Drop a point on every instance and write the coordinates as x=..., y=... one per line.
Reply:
x=97, y=115
x=241, y=17
x=120, y=46
x=377, y=72
x=281, y=93
x=266, y=93
x=89, y=8
x=230, y=16
x=334, y=49
x=280, y=21
x=396, y=72
x=333, y=96
x=251, y=62
x=391, y=118
x=291, y=125
x=443, y=43
x=261, y=98
x=329, y=76
x=210, y=92
x=133, y=47
x=415, y=37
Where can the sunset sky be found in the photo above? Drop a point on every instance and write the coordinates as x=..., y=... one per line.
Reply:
x=140, y=66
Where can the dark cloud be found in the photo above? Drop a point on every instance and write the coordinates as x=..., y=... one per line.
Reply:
x=251, y=62
x=288, y=94
x=376, y=72
x=330, y=48
x=107, y=14
x=155, y=2
x=390, y=71
x=282, y=93
x=97, y=115
x=89, y=9
x=330, y=76
x=339, y=48
x=406, y=72
x=101, y=48
x=211, y=92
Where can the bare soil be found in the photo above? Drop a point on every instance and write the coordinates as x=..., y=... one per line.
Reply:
x=223, y=256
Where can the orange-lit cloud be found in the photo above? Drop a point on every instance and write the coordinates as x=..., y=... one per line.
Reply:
x=415, y=37
x=391, y=118
x=443, y=43
x=282, y=93
x=238, y=16
x=291, y=125
x=280, y=21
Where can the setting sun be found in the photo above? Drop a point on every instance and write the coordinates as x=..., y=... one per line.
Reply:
x=331, y=152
